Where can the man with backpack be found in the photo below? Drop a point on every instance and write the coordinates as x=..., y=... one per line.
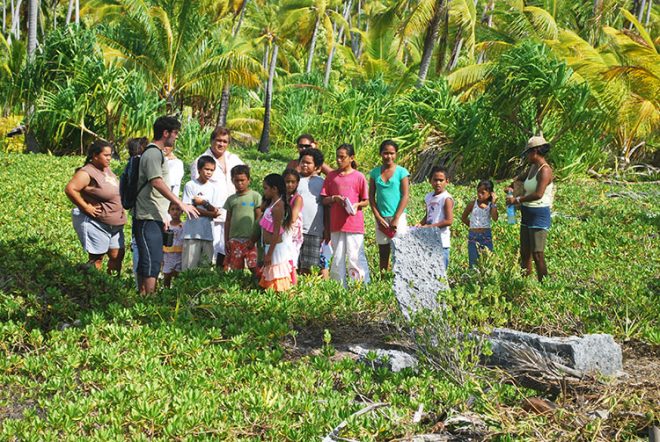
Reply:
x=152, y=201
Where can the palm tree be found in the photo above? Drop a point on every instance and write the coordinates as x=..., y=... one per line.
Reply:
x=305, y=19
x=343, y=24
x=175, y=46
x=625, y=77
x=264, y=141
x=33, y=10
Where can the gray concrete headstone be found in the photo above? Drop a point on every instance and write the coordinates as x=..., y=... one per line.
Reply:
x=589, y=353
x=419, y=270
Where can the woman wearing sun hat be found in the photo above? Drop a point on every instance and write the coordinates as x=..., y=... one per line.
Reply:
x=535, y=204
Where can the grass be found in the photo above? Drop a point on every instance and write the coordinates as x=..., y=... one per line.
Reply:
x=83, y=356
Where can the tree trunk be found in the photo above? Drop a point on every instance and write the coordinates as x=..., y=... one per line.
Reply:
x=240, y=18
x=429, y=41
x=355, y=37
x=487, y=19
x=456, y=52
x=77, y=12
x=312, y=45
x=33, y=9
x=264, y=142
x=16, y=20
x=69, y=12
x=641, y=11
x=331, y=55
x=648, y=13
x=224, y=105
x=264, y=61
x=4, y=17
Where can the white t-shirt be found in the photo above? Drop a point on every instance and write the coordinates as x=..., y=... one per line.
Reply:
x=312, y=213
x=435, y=212
x=199, y=228
x=221, y=178
x=175, y=176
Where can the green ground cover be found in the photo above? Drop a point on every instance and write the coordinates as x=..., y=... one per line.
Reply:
x=215, y=358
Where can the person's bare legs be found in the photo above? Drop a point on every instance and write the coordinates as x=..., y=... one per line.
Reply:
x=147, y=285
x=115, y=259
x=168, y=277
x=95, y=261
x=539, y=262
x=384, y=257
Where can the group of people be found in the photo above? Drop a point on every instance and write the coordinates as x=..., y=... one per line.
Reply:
x=300, y=222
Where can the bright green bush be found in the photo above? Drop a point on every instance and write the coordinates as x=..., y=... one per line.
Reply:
x=83, y=356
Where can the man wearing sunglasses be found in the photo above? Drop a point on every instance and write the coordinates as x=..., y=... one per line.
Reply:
x=306, y=141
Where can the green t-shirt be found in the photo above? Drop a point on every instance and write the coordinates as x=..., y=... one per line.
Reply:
x=241, y=208
x=388, y=194
x=150, y=204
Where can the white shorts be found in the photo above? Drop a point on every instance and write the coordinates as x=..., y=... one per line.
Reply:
x=402, y=229
x=96, y=237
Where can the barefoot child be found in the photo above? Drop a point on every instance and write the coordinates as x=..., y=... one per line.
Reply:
x=172, y=254
x=243, y=209
x=439, y=208
x=345, y=192
x=276, y=273
x=295, y=231
x=198, y=233
x=477, y=216
x=388, y=198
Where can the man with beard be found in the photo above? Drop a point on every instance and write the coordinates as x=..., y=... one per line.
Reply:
x=152, y=202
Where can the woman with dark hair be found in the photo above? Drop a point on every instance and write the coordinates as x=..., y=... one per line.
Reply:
x=535, y=204
x=303, y=142
x=98, y=217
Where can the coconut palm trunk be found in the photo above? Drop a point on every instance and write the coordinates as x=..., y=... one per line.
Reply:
x=240, y=18
x=33, y=11
x=331, y=55
x=69, y=12
x=429, y=41
x=16, y=20
x=264, y=142
x=312, y=45
x=224, y=105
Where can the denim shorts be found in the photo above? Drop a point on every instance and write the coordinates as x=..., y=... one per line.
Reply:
x=96, y=237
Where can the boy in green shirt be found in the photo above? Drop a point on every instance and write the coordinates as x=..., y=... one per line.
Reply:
x=243, y=210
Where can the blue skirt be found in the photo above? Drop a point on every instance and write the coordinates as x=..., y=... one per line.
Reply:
x=536, y=217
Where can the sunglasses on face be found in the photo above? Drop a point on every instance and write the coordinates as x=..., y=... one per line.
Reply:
x=304, y=146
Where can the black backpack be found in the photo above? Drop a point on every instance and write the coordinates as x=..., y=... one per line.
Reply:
x=128, y=182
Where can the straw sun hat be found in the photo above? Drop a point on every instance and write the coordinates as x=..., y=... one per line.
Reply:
x=532, y=143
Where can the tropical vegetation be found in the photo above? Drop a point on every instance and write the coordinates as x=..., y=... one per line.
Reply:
x=455, y=81
x=83, y=356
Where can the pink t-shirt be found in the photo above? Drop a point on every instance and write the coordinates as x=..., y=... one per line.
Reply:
x=354, y=186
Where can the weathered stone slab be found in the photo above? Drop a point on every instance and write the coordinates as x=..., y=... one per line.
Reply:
x=589, y=353
x=419, y=270
x=394, y=360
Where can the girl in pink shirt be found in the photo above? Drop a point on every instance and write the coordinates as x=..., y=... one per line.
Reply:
x=345, y=191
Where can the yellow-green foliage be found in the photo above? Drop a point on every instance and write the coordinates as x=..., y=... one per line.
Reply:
x=14, y=144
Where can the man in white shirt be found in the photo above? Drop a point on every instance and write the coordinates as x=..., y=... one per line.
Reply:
x=224, y=161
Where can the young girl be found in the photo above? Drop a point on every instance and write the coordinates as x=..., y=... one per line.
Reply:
x=172, y=254
x=345, y=191
x=295, y=232
x=388, y=198
x=477, y=216
x=276, y=273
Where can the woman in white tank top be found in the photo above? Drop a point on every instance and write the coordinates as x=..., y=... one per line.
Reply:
x=535, y=206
